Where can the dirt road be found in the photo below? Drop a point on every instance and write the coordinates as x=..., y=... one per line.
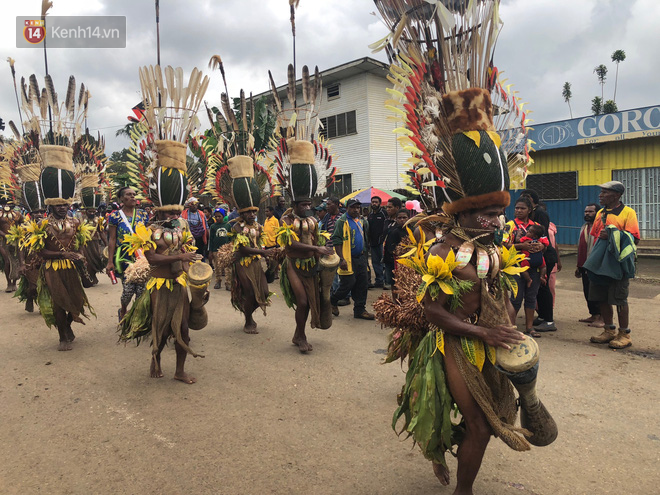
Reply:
x=265, y=419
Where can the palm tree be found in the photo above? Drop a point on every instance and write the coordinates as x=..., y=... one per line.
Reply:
x=597, y=105
x=601, y=72
x=126, y=130
x=617, y=56
x=567, y=94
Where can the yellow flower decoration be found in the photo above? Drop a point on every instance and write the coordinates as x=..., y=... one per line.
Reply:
x=84, y=234
x=419, y=248
x=140, y=240
x=510, y=266
x=511, y=261
x=438, y=272
x=285, y=236
x=35, y=235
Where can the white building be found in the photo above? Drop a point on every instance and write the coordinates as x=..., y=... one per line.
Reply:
x=353, y=114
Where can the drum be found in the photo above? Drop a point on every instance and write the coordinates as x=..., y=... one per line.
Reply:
x=199, y=277
x=328, y=265
x=521, y=365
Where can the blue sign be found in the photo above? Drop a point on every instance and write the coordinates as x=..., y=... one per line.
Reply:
x=629, y=124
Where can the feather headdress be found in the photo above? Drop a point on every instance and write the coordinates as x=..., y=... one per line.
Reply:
x=170, y=113
x=239, y=179
x=443, y=79
x=303, y=162
x=90, y=162
x=20, y=169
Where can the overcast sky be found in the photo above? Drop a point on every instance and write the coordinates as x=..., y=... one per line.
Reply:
x=543, y=44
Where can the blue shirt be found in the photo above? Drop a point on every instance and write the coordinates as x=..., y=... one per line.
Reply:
x=357, y=236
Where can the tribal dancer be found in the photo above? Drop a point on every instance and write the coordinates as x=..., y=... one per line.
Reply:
x=242, y=183
x=304, y=169
x=22, y=165
x=89, y=160
x=10, y=218
x=164, y=311
x=452, y=317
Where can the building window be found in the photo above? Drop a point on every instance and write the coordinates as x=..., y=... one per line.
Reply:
x=333, y=91
x=342, y=186
x=563, y=185
x=334, y=126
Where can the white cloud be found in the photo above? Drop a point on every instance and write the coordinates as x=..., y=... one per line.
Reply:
x=543, y=43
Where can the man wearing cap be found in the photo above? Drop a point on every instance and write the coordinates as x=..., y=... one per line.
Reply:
x=351, y=242
x=609, y=283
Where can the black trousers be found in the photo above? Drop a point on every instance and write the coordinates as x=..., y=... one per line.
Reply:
x=594, y=307
x=356, y=285
x=544, y=299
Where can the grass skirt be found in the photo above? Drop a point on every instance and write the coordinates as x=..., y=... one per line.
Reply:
x=258, y=285
x=159, y=313
x=310, y=282
x=61, y=288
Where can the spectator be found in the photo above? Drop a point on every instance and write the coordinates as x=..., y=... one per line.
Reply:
x=377, y=218
x=517, y=229
x=279, y=210
x=330, y=219
x=392, y=210
x=351, y=241
x=545, y=322
x=393, y=236
x=585, y=243
x=321, y=211
x=218, y=237
x=271, y=226
x=233, y=215
x=199, y=228
x=612, y=288
x=328, y=225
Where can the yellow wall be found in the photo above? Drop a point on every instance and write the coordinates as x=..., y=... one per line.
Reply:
x=594, y=166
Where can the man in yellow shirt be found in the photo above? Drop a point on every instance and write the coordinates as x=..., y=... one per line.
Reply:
x=271, y=226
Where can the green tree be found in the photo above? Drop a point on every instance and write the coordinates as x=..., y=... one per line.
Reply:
x=567, y=94
x=116, y=168
x=617, y=57
x=601, y=72
x=610, y=107
x=597, y=105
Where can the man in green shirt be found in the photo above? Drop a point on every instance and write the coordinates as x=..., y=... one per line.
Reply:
x=218, y=236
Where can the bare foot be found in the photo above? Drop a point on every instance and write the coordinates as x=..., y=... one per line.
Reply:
x=64, y=346
x=442, y=473
x=155, y=370
x=185, y=378
x=70, y=336
x=251, y=328
x=303, y=345
x=597, y=324
x=29, y=306
x=591, y=319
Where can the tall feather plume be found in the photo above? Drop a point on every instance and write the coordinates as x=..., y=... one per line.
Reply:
x=43, y=104
x=81, y=94
x=26, y=97
x=273, y=89
x=229, y=113
x=45, y=7
x=305, y=85
x=317, y=85
x=34, y=90
x=14, y=130
x=244, y=116
x=52, y=96
x=252, y=115
x=70, y=101
x=291, y=86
